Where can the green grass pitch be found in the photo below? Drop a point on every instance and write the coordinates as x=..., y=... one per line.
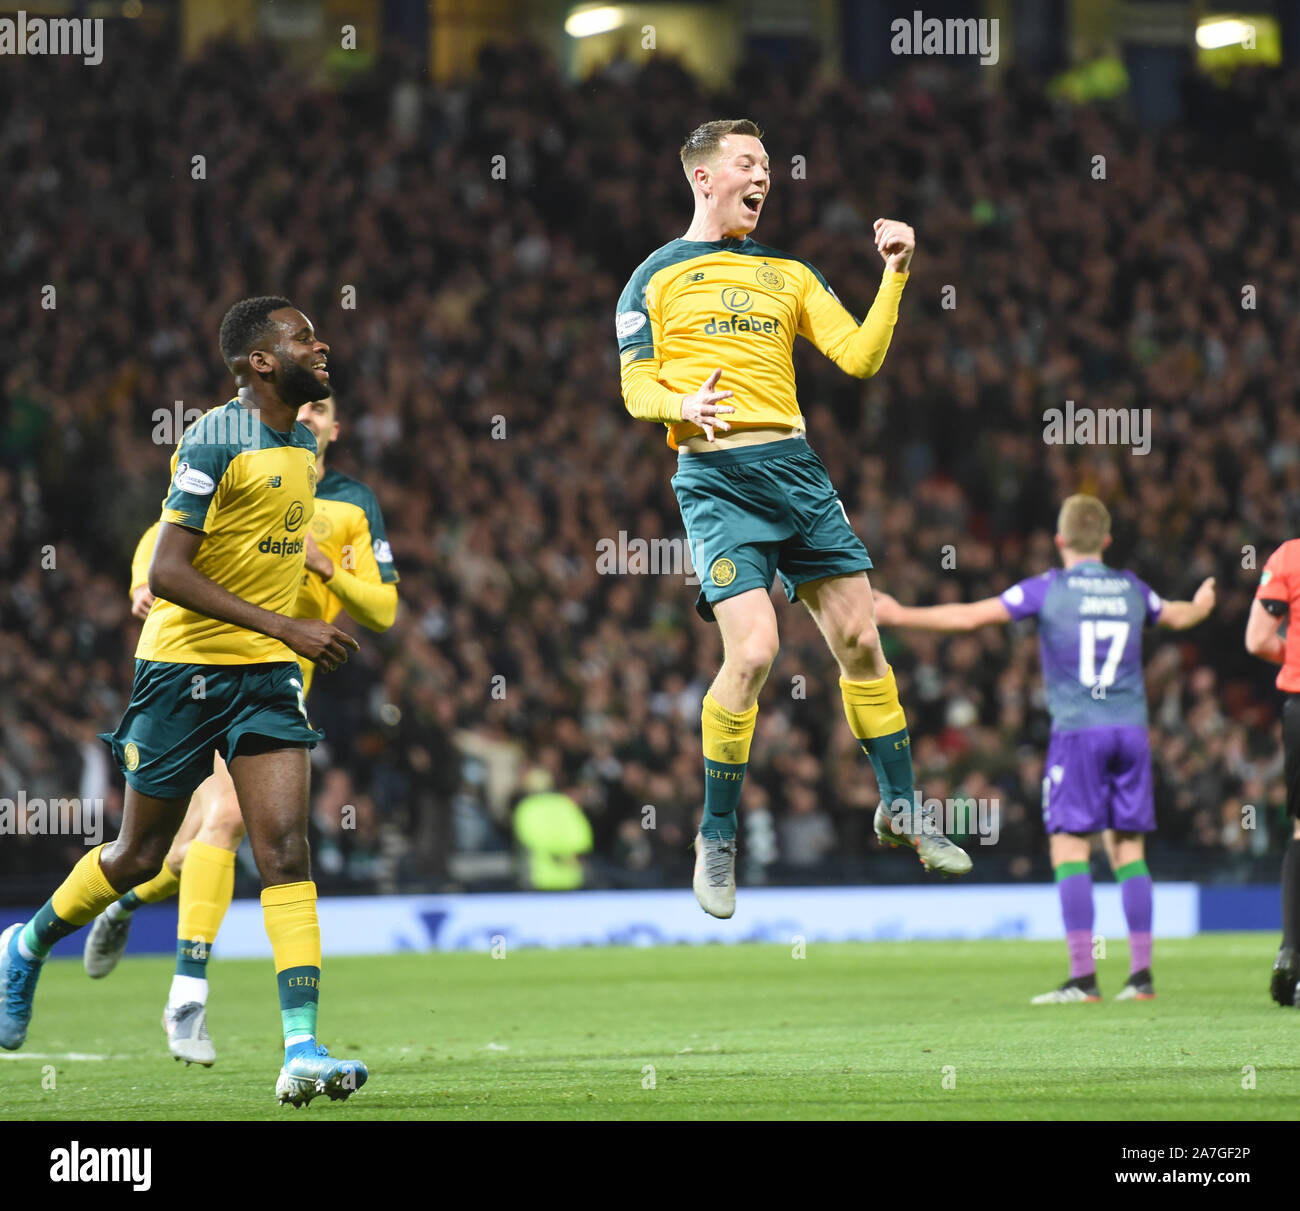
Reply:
x=933, y=1030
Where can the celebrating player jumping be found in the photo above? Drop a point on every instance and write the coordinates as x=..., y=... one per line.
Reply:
x=705, y=331
x=1099, y=777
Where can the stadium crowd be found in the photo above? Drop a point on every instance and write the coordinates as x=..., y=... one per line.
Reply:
x=477, y=385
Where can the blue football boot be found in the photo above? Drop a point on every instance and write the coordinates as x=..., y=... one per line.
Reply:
x=307, y=1073
x=18, y=978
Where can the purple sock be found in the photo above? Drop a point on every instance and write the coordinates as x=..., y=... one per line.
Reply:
x=1076, y=911
x=1135, y=895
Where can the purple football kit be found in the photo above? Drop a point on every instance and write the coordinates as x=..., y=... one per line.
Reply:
x=1090, y=620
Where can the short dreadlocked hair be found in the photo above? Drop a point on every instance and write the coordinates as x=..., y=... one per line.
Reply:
x=248, y=324
x=704, y=142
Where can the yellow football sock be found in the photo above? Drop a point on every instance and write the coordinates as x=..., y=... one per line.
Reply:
x=877, y=721
x=289, y=910
x=727, y=736
x=81, y=897
x=207, y=887
x=85, y=893
x=160, y=887
x=872, y=707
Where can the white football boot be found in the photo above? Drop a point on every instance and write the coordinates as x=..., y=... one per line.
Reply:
x=715, y=875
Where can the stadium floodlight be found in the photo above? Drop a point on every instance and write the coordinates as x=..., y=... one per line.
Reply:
x=588, y=20
x=1215, y=32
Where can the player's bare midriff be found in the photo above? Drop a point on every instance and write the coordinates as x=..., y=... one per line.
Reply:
x=699, y=444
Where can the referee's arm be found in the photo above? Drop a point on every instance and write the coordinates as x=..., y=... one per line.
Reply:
x=1262, y=639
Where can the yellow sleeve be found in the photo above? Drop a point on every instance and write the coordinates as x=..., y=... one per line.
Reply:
x=140, y=560
x=858, y=351
x=359, y=586
x=372, y=605
x=644, y=395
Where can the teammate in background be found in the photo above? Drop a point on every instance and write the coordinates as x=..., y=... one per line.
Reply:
x=1275, y=605
x=755, y=499
x=1098, y=777
x=216, y=672
x=349, y=566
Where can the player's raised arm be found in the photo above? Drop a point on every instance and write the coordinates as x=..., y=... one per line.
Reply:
x=895, y=242
x=859, y=349
x=173, y=576
x=1179, y=615
x=956, y=616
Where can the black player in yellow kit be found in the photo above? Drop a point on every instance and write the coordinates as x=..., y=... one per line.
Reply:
x=716, y=306
x=349, y=566
x=216, y=673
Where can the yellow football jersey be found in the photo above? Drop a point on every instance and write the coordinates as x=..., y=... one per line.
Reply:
x=349, y=528
x=695, y=305
x=143, y=556
x=251, y=490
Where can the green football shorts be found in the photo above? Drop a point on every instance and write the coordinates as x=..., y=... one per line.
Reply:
x=759, y=511
x=180, y=714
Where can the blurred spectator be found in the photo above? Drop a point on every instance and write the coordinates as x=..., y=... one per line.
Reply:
x=553, y=833
x=807, y=835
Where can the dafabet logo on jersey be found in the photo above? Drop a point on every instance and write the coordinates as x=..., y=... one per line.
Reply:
x=283, y=547
x=722, y=326
x=723, y=572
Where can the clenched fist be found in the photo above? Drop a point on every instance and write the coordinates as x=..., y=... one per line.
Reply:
x=895, y=242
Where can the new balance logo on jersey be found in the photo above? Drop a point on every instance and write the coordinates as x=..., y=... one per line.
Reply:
x=273, y=482
x=695, y=277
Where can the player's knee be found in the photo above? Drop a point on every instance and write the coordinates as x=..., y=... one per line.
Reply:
x=859, y=650
x=283, y=859
x=861, y=638
x=126, y=868
x=223, y=825
x=752, y=657
x=176, y=855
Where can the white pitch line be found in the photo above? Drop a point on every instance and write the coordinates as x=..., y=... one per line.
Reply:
x=61, y=1055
